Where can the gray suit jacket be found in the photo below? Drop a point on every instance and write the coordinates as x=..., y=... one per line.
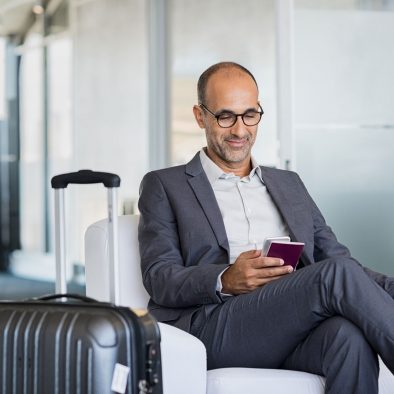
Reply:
x=183, y=242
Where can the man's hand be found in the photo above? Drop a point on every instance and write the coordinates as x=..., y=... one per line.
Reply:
x=252, y=270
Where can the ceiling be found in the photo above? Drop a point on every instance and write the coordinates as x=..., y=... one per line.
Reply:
x=14, y=14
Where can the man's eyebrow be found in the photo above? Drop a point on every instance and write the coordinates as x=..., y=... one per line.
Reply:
x=225, y=110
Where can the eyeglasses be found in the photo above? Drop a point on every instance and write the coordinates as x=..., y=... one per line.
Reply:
x=228, y=119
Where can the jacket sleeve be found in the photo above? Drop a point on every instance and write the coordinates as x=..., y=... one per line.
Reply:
x=167, y=279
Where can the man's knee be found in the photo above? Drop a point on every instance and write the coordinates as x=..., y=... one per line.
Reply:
x=337, y=267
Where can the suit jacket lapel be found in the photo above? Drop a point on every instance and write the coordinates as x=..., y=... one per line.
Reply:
x=281, y=201
x=203, y=191
x=206, y=197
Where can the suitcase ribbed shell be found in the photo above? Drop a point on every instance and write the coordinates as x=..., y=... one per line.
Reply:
x=69, y=348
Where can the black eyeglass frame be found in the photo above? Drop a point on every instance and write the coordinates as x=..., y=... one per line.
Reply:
x=216, y=116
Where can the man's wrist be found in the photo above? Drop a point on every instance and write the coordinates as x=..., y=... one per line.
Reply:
x=219, y=284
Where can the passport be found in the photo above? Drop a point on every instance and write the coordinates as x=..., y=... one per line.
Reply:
x=290, y=252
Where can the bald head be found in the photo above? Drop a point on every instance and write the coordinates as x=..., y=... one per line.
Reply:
x=227, y=70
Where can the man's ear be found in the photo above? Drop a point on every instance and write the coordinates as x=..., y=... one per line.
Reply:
x=197, y=111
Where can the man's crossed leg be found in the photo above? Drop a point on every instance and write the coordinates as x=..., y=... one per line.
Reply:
x=329, y=318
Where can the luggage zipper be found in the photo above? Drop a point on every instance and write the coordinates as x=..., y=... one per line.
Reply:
x=143, y=387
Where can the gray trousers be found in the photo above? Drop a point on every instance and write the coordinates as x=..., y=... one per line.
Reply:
x=330, y=318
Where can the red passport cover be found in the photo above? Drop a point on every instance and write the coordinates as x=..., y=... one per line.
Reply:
x=290, y=252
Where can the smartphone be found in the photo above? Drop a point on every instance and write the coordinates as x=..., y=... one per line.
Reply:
x=268, y=241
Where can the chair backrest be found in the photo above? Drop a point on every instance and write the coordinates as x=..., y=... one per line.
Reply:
x=132, y=291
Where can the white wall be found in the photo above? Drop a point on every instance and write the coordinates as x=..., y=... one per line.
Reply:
x=110, y=98
x=110, y=89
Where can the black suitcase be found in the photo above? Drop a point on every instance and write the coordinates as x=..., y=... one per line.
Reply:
x=68, y=344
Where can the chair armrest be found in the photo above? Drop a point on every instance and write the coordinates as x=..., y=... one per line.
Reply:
x=184, y=362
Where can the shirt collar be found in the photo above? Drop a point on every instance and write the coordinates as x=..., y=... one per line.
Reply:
x=214, y=172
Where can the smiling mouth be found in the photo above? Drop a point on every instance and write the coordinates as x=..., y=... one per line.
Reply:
x=237, y=142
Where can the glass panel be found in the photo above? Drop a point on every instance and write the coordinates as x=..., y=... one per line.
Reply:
x=31, y=146
x=345, y=122
x=243, y=32
x=347, y=171
x=2, y=78
x=33, y=260
x=60, y=133
x=343, y=64
x=97, y=118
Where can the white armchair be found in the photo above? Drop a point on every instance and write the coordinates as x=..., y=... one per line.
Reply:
x=184, y=356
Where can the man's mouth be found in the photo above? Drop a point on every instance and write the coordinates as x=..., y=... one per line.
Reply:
x=237, y=142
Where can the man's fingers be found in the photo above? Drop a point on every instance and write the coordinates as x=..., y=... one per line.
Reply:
x=263, y=262
x=270, y=279
x=274, y=271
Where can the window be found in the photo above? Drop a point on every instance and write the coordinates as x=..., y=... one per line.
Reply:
x=206, y=32
x=345, y=120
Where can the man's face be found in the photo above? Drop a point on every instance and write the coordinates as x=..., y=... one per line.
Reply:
x=236, y=92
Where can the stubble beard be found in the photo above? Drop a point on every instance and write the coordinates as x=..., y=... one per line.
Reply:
x=228, y=154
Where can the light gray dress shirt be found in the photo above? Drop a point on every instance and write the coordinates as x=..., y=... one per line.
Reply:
x=248, y=212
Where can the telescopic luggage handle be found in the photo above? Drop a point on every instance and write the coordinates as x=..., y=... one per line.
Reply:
x=84, y=177
x=110, y=181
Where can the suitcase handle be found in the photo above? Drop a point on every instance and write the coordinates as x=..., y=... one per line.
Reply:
x=66, y=295
x=111, y=182
x=83, y=177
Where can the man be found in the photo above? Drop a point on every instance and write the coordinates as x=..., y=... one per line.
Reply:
x=201, y=230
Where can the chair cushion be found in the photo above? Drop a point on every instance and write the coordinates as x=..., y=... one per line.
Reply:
x=184, y=362
x=274, y=381
x=263, y=381
x=132, y=291
x=386, y=379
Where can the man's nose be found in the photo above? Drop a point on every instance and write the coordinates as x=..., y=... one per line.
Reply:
x=239, y=128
